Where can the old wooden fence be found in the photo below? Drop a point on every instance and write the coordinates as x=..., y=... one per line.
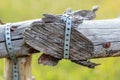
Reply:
x=89, y=39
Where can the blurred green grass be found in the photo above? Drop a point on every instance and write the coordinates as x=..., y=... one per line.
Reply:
x=19, y=10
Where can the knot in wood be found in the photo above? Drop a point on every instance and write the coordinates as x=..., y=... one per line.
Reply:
x=107, y=45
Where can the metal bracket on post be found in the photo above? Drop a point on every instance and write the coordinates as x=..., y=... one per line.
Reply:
x=67, y=19
x=10, y=50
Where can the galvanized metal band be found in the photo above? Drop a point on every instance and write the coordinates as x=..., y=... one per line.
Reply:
x=10, y=50
x=9, y=42
x=68, y=21
x=15, y=71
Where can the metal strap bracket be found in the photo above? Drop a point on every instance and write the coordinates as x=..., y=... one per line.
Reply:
x=68, y=20
x=10, y=50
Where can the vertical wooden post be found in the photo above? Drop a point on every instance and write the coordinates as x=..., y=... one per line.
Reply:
x=25, y=68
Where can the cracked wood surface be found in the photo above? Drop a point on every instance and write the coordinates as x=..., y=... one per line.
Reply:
x=87, y=40
x=47, y=35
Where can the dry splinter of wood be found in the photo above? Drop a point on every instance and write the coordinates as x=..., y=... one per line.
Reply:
x=48, y=36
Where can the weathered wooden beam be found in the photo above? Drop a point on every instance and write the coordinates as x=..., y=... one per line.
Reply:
x=18, y=43
x=91, y=39
x=101, y=33
x=21, y=50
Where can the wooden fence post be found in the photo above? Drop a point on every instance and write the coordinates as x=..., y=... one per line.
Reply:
x=25, y=68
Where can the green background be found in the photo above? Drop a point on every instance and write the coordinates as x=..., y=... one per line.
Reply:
x=20, y=10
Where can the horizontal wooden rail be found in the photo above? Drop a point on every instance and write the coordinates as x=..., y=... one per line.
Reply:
x=90, y=39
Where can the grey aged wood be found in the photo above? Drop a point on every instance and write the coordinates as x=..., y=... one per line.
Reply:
x=22, y=51
x=17, y=39
x=89, y=39
x=48, y=36
x=25, y=68
x=102, y=31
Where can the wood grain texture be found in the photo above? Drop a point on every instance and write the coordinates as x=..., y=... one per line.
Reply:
x=20, y=48
x=48, y=37
x=87, y=39
x=100, y=32
x=22, y=51
x=25, y=68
